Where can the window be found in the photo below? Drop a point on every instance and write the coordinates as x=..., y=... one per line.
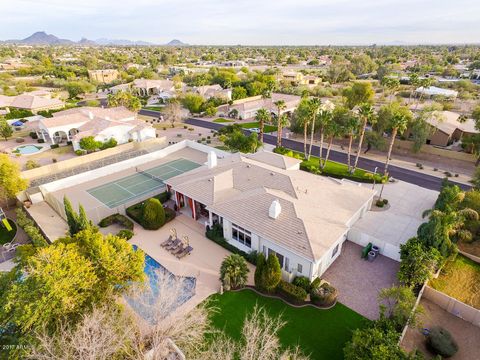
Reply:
x=335, y=250
x=299, y=268
x=241, y=235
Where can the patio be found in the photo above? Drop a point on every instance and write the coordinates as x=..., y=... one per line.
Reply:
x=359, y=281
x=203, y=263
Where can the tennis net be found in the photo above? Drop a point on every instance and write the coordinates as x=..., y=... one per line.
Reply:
x=147, y=174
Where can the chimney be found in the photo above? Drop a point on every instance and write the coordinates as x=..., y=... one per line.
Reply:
x=212, y=160
x=275, y=209
x=90, y=115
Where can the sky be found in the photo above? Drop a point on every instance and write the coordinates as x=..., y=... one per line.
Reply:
x=248, y=22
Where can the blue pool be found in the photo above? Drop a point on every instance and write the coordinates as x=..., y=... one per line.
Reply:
x=145, y=303
x=28, y=149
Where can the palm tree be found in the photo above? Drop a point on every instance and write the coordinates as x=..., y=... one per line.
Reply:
x=332, y=130
x=325, y=117
x=414, y=81
x=366, y=114
x=351, y=129
x=391, y=84
x=234, y=271
x=280, y=104
x=262, y=116
x=398, y=124
x=424, y=84
x=314, y=109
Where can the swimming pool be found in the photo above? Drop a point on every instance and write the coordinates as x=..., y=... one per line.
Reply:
x=28, y=149
x=143, y=305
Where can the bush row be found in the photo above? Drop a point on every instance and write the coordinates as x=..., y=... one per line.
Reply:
x=33, y=232
x=292, y=293
x=117, y=219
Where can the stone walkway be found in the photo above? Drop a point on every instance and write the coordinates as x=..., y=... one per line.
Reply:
x=359, y=281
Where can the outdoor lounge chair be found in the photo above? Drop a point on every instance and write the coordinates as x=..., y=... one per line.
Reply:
x=173, y=245
x=178, y=249
x=185, y=252
x=171, y=238
x=13, y=247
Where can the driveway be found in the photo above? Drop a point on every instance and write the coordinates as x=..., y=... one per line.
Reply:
x=359, y=281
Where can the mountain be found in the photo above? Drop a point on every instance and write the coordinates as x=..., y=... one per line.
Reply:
x=85, y=41
x=42, y=38
x=176, y=42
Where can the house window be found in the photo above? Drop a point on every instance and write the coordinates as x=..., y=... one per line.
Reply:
x=335, y=250
x=299, y=268
x=241, y=235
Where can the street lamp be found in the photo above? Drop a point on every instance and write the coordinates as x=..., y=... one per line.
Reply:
x=374, y=176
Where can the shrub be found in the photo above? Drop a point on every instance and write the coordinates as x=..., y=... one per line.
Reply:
x=80, y=152
x=125, y=234
x=31, y=164
x=379, y=203
x=40, y=141
x=30, y=228
x=385, y=201
x=54, y=146
x=292, y=293
x=441, y=342
x=325, y=295
x=54, y=160
x=33, y=135
x=261, y=263
x=303, y=282
x=447, y=174
x=117, y=219
x=109, y=144
x=69, y=142
x=234, y=271
x=315, y=284
x=272, y=273
x=153, y=214
x=19, y=140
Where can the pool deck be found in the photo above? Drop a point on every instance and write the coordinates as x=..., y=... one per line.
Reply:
x=203, y=263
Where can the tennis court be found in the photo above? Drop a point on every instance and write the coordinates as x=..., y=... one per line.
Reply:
x=144, y=181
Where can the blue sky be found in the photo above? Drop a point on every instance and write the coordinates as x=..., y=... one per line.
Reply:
x=249, y=22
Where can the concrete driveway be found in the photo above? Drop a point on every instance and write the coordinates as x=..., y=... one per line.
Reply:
x=359, y=281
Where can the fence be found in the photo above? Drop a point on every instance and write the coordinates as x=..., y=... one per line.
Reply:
x=432, y=150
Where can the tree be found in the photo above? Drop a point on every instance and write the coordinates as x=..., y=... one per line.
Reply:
x=418, y=262
x=173, y=112
x=239, y=92
x=263, y=116
x=89, y=143
x=420, y=133
x=303, y=115
x=351, y=127
x=358, y=93
x=71, y=215
x=5, y=130
x=398, y=123
x=391, y=84
x=11, y=181
x=324, y=118
x=234, y=271
x=396, y=304
x=76, y=88
x=280, y=105
x=366, y=114
x=476, y=115
x=236, y=140
x=153, y=214
x=314, y=107
x=193, y=102
x=126, y=99
x=272, y=273
x=260, y=266
x=334, y=129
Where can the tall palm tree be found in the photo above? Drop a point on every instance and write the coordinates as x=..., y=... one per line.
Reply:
x=398, y=124
x=425, y=84
x=350, y=127
x=280, y=104
x=302, y=118
x=391, y=84
x=332, y=130
x=366, y=114
x=414, y=81
x=324, y=117
x=262, y=116
x=314, y=109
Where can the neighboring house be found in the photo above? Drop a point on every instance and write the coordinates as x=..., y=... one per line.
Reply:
x=31, y=102
x=103, y=124
x=247, y=108
x=311, y=80
x=106, y=76
x=292, y=77
x=446, y=128
x=147, y=87
x=209, y=91
x=265, y=203
x=436, y=91
x=12, y=64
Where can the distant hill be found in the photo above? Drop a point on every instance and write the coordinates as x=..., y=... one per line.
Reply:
x=42, y=38
x=176, y=42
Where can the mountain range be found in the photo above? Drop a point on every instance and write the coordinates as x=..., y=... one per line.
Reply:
x=42, y=38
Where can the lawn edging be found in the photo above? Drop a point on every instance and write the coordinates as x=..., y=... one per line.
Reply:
x=307, y=304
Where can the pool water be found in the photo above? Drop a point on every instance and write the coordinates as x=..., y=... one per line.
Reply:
x=143, y=304
x=28, y=149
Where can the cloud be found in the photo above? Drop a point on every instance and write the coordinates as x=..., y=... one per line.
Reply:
x=254, y=22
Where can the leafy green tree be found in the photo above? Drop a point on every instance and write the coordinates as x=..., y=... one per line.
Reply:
x=272, y=273
x=358, y=93
x=5, y=130
x=71, y=215
x=476, y=115
x=238, y=141
x=11, y=181
x=260, y=266
x=193, y=102
x=126, y=99
x=391, y=84
x=263, y=117
x=89, y=143
x=436, y=232
x=239, y=92
x=234, y=271
x=396, y=304
x=83, y=222
x=418, y=262
x=80, y=87
x=420, y=133
x=153, y=215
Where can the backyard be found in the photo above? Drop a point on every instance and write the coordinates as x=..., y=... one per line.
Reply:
x=460, y=279
x=320, y=333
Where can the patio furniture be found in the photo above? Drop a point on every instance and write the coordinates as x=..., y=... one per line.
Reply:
x=10, y=247
x=171, y=238
x=185, y=252
x=173, y=245
x=182, y=246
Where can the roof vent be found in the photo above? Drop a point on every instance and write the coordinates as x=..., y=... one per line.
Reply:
x=107, y=117
x=275, y=209
x=212, y=160
x=90, y=115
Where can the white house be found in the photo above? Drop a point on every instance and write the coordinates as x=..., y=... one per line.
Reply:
x=436, y=91
x=208, y=91
x=103, y=124
x=265, y=203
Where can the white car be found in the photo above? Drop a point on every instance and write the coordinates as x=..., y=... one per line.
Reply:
x=255, y=130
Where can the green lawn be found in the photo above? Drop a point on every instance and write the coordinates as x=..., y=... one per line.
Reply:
x=320, y=333
x=152, y=108
x=460, y=279
x=267, y=128
x=222, y=120
x=7, y=236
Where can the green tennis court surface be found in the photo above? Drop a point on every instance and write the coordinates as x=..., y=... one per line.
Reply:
x=144, y=181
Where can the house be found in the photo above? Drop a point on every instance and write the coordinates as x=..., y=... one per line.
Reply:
x=148, y=87
x=292, y=77
x=209, y=91
x=448, y=127
x=74, y=124
x=247, y=108
x=265, y=203
x=32, y=102
x=436, y=91
x=311, y=80
x=106, y=76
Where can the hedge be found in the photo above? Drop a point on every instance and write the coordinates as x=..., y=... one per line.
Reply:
x=117, y=219
x=292, y=293
x=325, y=295
x=28, y=225
x=302, y=282
x=135, y=211
x=125, y=234
x=215, y=233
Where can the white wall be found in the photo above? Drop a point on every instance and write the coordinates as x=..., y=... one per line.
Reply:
x=389, y=250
